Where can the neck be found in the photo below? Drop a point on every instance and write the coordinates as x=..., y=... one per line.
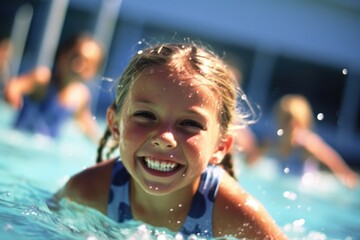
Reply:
x=168, y=210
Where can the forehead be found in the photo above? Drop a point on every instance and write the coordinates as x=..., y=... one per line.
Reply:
x=161, y=80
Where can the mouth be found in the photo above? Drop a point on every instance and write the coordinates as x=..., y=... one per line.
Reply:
x=163, y=166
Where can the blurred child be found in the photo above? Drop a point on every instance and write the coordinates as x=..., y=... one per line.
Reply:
x=46, y=98
x=298, y=147
x=172, y=119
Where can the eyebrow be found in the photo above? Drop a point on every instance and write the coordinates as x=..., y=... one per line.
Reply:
x=198, y=111
x=141, y=100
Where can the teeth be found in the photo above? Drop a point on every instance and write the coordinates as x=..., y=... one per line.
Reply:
x=159, y=166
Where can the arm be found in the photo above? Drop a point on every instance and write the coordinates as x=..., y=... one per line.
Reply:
x=26, y=84
x=89, y=187
x=238, y=214
x=316, y=146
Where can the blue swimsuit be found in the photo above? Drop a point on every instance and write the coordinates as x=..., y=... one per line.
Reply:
x=44, y=117
x=199, y=220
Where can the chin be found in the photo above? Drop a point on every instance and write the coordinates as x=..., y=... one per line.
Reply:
x=157, y=189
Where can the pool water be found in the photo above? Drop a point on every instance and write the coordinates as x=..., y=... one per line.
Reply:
x=32, y=168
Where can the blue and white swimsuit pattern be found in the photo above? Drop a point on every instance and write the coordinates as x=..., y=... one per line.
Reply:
x=199, y=220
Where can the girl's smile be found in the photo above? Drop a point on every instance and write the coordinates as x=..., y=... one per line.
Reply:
x=160, y=167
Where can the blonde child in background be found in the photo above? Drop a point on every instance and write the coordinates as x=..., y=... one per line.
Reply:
x=297, y=147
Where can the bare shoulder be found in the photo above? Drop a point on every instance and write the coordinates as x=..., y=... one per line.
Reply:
x=89, y=187
x=240, y=215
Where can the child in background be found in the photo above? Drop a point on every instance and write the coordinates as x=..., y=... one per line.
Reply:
x=47, y=98
x=298, y=147
x=172, y=119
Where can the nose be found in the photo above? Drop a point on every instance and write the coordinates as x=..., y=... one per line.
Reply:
x=164, y=140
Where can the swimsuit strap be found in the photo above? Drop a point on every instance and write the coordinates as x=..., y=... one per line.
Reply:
x=199, y=220
x=119, y=201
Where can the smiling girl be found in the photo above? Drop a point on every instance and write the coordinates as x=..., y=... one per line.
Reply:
x=172, y=119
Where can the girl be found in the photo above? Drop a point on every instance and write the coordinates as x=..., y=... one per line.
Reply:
x=172, y=118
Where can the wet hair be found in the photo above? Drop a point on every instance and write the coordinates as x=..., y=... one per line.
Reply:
x=186, y=60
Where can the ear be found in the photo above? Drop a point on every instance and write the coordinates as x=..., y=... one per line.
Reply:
x=112, y=122
x=224, y=146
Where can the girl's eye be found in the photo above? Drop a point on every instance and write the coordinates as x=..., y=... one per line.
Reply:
x=145, y=114
x=192, y=123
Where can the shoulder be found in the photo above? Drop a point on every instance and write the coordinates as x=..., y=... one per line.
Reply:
x=239, y=214
x=90, y=187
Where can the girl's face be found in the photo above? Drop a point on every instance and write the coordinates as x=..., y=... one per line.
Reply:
x=168, y=131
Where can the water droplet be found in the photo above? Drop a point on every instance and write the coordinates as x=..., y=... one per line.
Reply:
x=161, y=236
x=178, y=236
x=320, y=116
x=107, y=79
x=280, y=132
x=286, y=170
x=344, y=71
x=290, y=195
x=192, y=237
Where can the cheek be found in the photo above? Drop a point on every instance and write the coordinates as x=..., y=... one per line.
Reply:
x=131, y=134
x=197, y=147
